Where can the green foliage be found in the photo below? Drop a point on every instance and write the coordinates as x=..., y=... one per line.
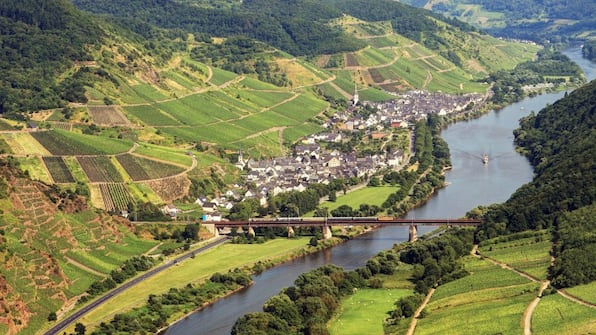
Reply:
x=559, y=141
x=589, y=50
x=40, y=40
x=438, y=258
x=296, y=27
x=550, y=67
x=576, y=243
x=153, y=316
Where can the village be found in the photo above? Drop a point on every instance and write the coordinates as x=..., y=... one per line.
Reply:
x=312, y=162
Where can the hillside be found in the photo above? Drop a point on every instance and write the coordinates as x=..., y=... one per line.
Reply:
x=540, y=21
x=559, y=142
x=52, y=248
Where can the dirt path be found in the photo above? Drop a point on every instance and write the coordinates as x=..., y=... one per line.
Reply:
x=527, y=317
x=84, y=267
x=418, y=311
x=429, y=78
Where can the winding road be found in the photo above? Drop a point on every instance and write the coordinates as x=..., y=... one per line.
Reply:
x=57, y=328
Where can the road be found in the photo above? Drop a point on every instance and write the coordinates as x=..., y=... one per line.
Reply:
x=57, y=328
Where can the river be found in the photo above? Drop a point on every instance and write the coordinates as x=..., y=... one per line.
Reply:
x=471, y=183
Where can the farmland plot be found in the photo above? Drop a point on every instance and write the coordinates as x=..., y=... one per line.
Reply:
x=107, y=115
x=115, y=196
x=140, y=168
x=170, y=189
x=99, y=169
x=62, y=143
x=58, y=170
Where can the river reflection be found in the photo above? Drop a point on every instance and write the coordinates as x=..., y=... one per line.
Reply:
x=471, y=183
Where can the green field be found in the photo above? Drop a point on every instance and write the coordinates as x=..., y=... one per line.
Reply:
x=60, y=142
x=221, y=76
x=489, y=299
x=367, y=195
x=556, y=315
x=151, y=115
x=530, y=255
x=219, y=259
x=586, y=292
x=377, y=302
x=178, y=156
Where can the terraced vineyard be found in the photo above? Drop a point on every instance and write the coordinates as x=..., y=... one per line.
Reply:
x=115, y=196
x=99, y=169
x=58, y=169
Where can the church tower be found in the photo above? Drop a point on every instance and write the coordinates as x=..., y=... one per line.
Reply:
x=355, y=98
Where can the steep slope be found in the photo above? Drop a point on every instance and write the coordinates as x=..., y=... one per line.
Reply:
x=52, y=248
x=40, y=40
x=560, y=142
x=541, y=21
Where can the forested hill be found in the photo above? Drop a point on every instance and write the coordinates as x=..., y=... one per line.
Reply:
x=561, y=144
x=38, y=40
x=537, y=20
x=299, y=27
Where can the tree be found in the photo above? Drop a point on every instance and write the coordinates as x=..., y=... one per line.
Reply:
x=52, y=316
x=80, y=329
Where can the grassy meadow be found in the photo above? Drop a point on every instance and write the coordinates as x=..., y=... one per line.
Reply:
x=376, y=302
x=366, y=195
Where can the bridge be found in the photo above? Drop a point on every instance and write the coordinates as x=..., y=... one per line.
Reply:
x=326, y=222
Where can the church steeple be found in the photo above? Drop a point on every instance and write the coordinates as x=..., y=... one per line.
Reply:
x=355, y=98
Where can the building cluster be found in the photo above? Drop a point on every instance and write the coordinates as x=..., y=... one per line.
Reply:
x=311, y=163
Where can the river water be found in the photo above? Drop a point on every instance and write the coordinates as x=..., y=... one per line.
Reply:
x=471, y=183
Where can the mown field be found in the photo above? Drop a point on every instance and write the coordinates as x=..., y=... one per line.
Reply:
x=366, y=195
x=375, y=302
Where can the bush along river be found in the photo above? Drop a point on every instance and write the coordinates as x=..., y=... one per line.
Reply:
x=471, y=183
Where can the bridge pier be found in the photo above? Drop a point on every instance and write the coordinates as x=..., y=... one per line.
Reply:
x=327, y=232
x=212, y=229
x=251, y=231
x=291, y=232
x=413, y=236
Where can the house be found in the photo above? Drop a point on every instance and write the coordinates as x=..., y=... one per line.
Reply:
x=209, y=207
x=171, y=210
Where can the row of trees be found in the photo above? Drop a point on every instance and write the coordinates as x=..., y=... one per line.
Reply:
x=127, y=270
x=154, y=315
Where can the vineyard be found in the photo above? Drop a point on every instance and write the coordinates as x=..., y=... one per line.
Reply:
x=140, y=168
x=64, y=143
x=107, y=115
x=99, y=169
x=58, y=170
x=170, y=189
x=115, y=196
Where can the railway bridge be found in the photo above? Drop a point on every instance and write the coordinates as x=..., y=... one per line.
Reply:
x=327, y=222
